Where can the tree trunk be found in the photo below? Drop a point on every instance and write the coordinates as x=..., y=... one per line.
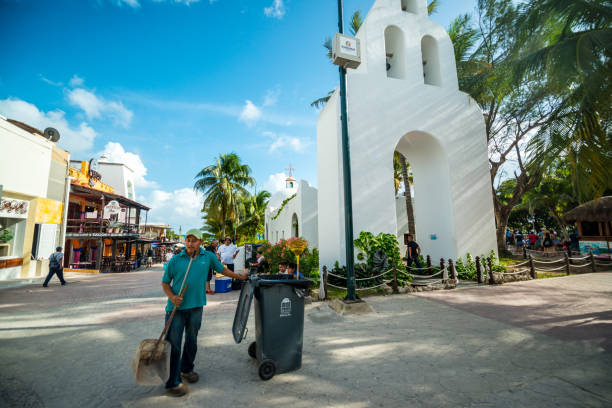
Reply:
x=562, y=224
x=409, y=209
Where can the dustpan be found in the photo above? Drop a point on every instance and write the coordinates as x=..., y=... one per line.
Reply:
x=151, y=363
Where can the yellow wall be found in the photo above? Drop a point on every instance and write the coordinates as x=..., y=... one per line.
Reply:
x=82, y=178
x=49, y=211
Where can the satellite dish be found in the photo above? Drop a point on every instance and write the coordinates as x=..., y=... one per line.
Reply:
x=52, y=134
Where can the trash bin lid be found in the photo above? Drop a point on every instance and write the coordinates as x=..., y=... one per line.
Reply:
x=242, y=311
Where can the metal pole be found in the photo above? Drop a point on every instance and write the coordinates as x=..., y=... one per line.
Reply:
x=346, y=169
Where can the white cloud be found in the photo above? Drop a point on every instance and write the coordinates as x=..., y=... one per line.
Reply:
x=74, y=139
x=275, y=182
x=276, y=10
x=76, y=81
x=283, y=141
x=250, y=113
x=129, y=3
x=271, y=97
x=178, y=208
x=136, y=3
x=96, y=107
x=50, y=82
x=117, y=154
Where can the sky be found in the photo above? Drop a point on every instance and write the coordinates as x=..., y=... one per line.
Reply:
x=165, y=86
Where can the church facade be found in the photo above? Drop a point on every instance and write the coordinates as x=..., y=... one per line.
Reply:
x=404, y=97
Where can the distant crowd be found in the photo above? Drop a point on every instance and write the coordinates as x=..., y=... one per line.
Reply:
x=547, y=241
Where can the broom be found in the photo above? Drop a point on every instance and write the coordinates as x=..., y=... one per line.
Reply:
x=151, y=363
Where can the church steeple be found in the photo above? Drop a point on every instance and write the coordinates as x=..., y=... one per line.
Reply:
x=290, y=181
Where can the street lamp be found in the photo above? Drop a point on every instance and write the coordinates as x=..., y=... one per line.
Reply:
x=346, y=53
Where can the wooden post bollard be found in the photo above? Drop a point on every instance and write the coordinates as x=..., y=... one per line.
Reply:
x=444, y=271
x=567, y=265
x=395, y=289
x=325, y=297
x=479, y=270
x=592, y=257
x=451, y=266
x=532, y=271
x=524, y=252
x=569, y=253
x=429, y=264
x=490, y=266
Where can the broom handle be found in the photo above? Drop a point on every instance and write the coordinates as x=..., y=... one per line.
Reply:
x=181, y=293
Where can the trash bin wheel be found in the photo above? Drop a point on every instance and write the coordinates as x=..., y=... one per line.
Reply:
x=253, y=349
x=267, y=369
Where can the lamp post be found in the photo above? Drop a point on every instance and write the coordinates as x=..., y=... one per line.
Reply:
x=346, y=169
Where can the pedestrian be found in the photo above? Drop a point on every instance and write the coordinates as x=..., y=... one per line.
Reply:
x=533, y=238
x=169, y=256
x=261, y=261
x=282, y=267
x=212, y=248
x=547, y=243
x=188, y=316
x=413, y=252
x=55, y=266
x=227, y=253
x=519, y=239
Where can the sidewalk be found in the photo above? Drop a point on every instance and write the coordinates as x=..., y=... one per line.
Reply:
x=72, y=346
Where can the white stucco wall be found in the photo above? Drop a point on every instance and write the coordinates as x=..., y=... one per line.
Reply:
x=24, y=160
x=438, y=128
x=303, y=206
x=117, y=176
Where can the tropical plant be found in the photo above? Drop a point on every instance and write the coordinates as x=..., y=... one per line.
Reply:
x=221, y=183
x=5, y=236
x=571, y=43
x=254, y=213
x=368, y=244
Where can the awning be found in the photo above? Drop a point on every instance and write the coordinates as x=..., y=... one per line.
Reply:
x=95, y=195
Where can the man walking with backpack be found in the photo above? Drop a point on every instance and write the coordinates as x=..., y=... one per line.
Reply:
x=55, y=266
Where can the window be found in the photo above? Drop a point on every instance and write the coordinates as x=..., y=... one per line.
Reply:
x=431, y=61
x=395, y=53
x=410, y=6
x=130, y=188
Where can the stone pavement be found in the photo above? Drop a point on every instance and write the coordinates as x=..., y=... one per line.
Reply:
x=72, y=347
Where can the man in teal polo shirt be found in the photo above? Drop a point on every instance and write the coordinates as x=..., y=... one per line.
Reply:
x=188, y=316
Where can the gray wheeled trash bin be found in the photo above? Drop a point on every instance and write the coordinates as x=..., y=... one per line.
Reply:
x=279, y=321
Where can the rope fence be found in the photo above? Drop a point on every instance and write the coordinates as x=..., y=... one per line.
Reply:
x=447, y=272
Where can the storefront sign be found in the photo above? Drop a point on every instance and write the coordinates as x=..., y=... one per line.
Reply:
x=101, y=235
x=112, y=208
x=13, y=208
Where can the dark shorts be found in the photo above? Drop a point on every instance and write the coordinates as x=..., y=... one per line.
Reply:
x=230, y=267
x=209, y=275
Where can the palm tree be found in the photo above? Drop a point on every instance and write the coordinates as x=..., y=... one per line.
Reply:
x=254, y=216
x=221, y=183
x=571, y=43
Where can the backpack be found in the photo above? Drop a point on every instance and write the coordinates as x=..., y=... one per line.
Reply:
x=53, y=261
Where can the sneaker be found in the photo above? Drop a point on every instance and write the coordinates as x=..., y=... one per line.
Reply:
x=191, y=377
x=177, y=391
x=210, y=292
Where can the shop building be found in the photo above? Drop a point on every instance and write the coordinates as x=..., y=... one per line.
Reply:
x=104, y=231
x=33, y=190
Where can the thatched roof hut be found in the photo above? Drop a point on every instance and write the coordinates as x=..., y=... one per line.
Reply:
x=594, y=211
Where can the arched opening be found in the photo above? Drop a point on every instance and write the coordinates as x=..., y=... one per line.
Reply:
x=430, y=196
x=410, y=6
x=395, y=53
x=431, y=61
x=295, y=231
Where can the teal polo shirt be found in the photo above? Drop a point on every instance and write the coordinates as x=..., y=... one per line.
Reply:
x=195, y=295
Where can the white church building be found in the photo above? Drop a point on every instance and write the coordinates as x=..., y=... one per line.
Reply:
x=404, y=96
x=292, y=212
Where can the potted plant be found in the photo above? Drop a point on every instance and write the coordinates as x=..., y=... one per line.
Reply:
x=114, y=227
x=5, y=236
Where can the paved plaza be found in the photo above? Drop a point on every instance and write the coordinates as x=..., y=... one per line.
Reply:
x=543, y=343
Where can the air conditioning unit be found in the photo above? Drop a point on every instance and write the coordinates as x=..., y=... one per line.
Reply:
x=346, y=51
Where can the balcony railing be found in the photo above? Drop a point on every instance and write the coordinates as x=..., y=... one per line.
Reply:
x=91, y=226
